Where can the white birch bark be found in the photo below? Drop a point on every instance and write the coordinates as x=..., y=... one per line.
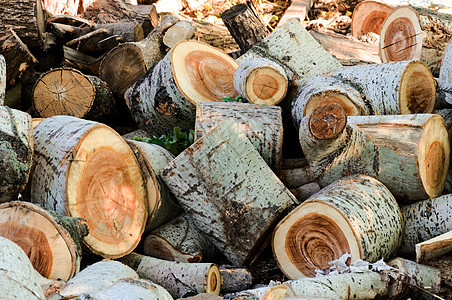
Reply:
x=275, y=292
x=229, y=191
x=293, y=178
x=262, y=125
x=444, y=89
x=2, y=79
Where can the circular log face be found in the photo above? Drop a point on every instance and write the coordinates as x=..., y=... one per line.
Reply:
x=105, y=186
x=202, y=73
x=213, y=283
x=329, y=98
x=40, y=238
x=327, y=121
x=368, y=16
x=63, y=92
x=266, y=86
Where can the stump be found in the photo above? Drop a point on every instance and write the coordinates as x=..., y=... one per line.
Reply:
x=166, y=97
x=52, y=243
x=229, y=191
x=16, y=148
x=335, y=221
x=368, y=16
x=76, y=160
x=66, y=91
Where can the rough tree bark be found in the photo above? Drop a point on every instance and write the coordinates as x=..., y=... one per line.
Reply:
x=2, y=79
x=335, y=221
x=444, y=89
x=234, y=279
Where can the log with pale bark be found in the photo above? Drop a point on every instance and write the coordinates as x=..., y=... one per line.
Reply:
x=275, y=292
x=2, y=79
x=368, y=16
x=67, y=91
x=16, y=148
x=182, y=30
x=126, y=63
x=85, y=169
x=305, y=191
x=234, y=279
x=298, y=9
x=444, y=89
x=293, y=178
x=262, y=125
x=229, y=191
x=179, y=240
x=335, y=221
x=162, y=206
x=414, y=149
x=191, y=72
x=52, y=242
x=434, y=247
x=261, y=81
x=177, y=278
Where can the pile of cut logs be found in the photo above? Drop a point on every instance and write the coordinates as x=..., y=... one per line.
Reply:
x=359, y=184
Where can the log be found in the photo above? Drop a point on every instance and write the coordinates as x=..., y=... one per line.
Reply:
x=234, y=207
x=67, y=91
x=434, y=247
x=234, y=279
x=245, y=25
x=182, y=30
x=177, y=278
x=294, y=163
x=293, y=178
x=368, y=16
x=261, y=81
x=109, y=11
x=275, y=292
x=162, y=205
x=96, y=277
x=81, y=61
x=190, y=73
x=215, y=35
x=335, y=221
x=52, y=243
x=124, y=64
x=295, y=49
x=298, y=9
x=179, y=240
x=2, y=79
x=16, y=148
x=18, y=278
x=305, y=191
x=444, y=89
x=75, y=160
x=372, y=145
x=262, y=125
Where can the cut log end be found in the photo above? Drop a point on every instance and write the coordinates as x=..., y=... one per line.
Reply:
x=368, y=16
x=417, y=89
x=327, y=121
x=202, y=73
x=329, y=98
x=213, y=281
x=266, y=86
x=159, y=247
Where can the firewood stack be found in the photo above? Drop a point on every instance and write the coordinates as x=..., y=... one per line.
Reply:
x=210, y=185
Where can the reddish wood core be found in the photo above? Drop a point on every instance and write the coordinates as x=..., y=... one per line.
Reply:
x=313, y=241
x=373, y=22
x=327, y=121
x=400, y=40
x=34, y=243
x=213, y=281
x=435, y=164
x=265, y=86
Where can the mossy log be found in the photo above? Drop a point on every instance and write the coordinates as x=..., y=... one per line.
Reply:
x=335, y=221
x=85, y=169
x=190, y=73
x=53, y=243
x=2, y=79
x=66, y=91
x=177, y=278
x=16, y=148
x=229, y=191
x=375, y=146
x=368, y=16
x=179, y=240
x=262, y=125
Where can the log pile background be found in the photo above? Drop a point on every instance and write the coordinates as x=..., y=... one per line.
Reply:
x=207, y=149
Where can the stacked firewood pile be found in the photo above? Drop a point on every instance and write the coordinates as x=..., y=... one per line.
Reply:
x=343, y=171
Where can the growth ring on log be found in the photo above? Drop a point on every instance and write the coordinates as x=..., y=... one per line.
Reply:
x=202, y=72
x=327, y=121
x=368, y=16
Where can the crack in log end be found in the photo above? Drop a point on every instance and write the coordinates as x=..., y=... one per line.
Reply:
x=327, y=121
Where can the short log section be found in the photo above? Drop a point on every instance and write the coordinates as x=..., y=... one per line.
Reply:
x=368, y=16
x=335, y=221
x=85, y=169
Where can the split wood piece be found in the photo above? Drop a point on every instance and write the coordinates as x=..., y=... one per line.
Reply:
x=261, y=81
x=295, y=49
x=229, y=191
x=81, y=61
x=293, y=178
x=17, y=56
x=182, y=30
x=96, y=277
x=275, y=292
x=179, y=240
x=405, y=87
x=348, y=51
x=245, y=25
x=425, y=220
x=415, y=33
x=16, y=148
x=298, y=9
x=76, y=160
x=2, y=79
x=18, y=278
x=130, y=288
x=235, y=279
x=426, y=277
x=372, y=145
x=162, y=205
x=177, y=278
x=95, y=42
x=305, y=191
x=66, y=7
x=126, y=63
x=444, y=89
x=52, y=243
x=335, y=221
x=66, y=91
x=109, y=11
x=190, y=73
x=262, y=125
x=434, y=247
x=368, y=16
